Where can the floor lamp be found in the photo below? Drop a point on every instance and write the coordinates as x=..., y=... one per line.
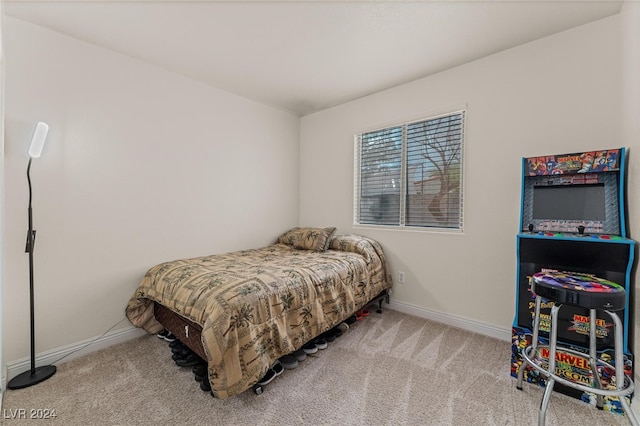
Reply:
x=40, y=374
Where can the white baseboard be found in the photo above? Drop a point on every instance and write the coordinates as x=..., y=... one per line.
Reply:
x=72, y=351
x=4, y=386
x=87, y=346
x=454, y=321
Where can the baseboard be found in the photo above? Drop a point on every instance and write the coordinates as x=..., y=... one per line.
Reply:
x=454, y=321
x=4, y=386
x=73, y=350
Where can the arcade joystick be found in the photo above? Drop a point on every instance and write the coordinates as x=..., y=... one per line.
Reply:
x=581, y=230
x=530, y=227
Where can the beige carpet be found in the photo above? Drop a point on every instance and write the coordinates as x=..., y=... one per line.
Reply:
x=389, y=369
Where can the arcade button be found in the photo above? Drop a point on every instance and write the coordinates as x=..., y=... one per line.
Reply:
x=605, y=237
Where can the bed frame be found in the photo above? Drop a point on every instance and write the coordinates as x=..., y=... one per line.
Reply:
x=189, y=333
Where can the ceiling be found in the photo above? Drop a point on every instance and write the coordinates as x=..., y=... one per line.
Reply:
x=305, y=56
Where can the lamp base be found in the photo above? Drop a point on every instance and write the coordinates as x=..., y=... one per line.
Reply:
x=26, y=379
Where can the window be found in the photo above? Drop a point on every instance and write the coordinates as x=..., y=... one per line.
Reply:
x=410, y=175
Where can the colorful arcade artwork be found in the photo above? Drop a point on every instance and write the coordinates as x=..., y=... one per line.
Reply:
x=584, y=162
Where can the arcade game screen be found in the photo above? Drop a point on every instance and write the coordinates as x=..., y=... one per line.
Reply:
x=569, y=202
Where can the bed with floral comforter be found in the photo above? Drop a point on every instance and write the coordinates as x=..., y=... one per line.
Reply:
x=257, y=305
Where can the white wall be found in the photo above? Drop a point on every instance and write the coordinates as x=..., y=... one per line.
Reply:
x=555, y=95
x=141, y=166
x=630, y=131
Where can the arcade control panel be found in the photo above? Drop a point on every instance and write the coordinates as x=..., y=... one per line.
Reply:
x=573, y=235
x=580, y=234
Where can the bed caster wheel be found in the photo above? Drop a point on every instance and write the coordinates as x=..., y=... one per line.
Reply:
x=257, y=389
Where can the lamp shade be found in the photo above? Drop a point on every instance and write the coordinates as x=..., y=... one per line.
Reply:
x=37, y=141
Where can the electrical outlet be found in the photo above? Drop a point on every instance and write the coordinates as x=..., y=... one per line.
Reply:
x=401, y=277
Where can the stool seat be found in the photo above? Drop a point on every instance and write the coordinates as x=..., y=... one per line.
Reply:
x=583, y=290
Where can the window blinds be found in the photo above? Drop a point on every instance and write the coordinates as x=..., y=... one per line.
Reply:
x=411, y=174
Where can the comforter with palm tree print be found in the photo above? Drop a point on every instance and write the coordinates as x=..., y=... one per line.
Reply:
x=257, y=305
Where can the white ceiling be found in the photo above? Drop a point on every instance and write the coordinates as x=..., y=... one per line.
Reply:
x=305, y=56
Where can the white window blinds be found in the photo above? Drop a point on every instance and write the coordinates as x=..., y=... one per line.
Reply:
x=411, y=174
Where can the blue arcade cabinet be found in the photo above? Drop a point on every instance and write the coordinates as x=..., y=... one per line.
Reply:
x=573, y=219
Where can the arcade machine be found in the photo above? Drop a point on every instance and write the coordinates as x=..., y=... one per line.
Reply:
x=573, y=220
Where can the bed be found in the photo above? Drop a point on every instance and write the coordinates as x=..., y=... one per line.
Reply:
x=242, y=311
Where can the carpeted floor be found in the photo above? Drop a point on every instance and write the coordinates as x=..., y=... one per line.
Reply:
x=389, y=369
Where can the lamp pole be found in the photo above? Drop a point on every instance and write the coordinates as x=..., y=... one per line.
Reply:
x=33, y=375
x=31, y=237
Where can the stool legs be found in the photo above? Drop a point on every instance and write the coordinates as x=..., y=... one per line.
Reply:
x=593, y=355
x=534, y=341
x=624, y=387
x=552, y=365
x=620, y=381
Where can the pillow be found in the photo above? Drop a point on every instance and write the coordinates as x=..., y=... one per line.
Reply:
x=307, y=238
x=354, y=244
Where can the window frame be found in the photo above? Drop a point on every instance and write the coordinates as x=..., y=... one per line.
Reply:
x=402, y=223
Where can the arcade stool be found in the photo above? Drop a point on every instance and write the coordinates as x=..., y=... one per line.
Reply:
x=589, y=292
